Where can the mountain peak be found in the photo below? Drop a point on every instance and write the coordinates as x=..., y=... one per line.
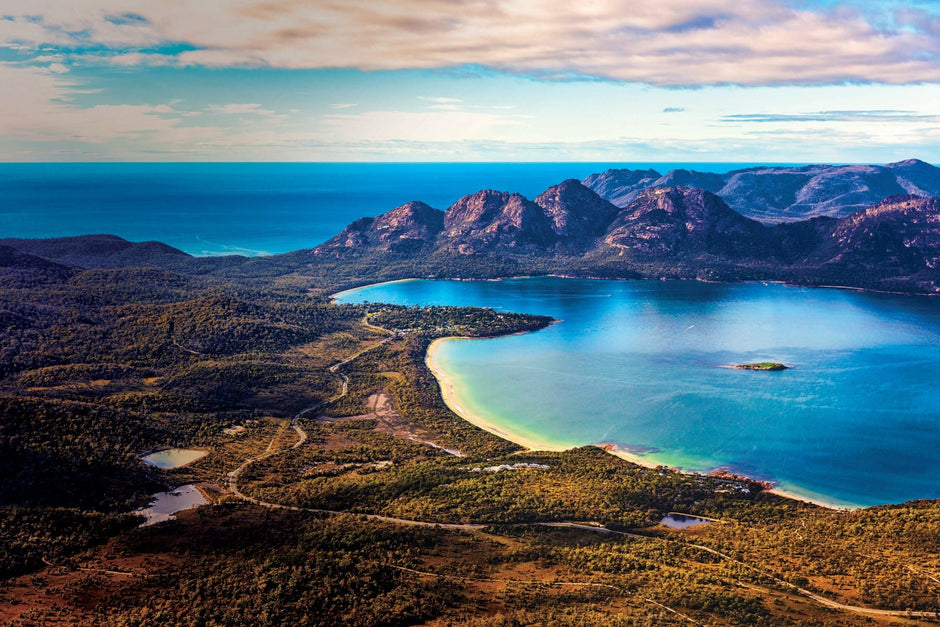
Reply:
x=405, y=229
x=490, y=218
x=899, y=236
x=575, y=210
x=786, y=193
x=621, y=186
x=99, y=251
x=908, y=163
x=687, y=221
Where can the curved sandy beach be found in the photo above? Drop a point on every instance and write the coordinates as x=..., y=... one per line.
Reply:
x=450, y=397
x=342, y=293
x=449, y=394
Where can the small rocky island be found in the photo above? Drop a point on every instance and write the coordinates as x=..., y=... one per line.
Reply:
x=763, y=365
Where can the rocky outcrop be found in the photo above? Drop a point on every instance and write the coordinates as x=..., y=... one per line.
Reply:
x=576, y=212
x=664, y=231
x=489, y=220
x=407, y=229
x=684, y=221
x=899, y=236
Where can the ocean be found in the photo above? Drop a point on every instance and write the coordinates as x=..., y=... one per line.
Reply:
x=253, y=208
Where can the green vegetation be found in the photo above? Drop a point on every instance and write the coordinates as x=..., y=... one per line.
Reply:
x=97, y=367
x=763, y=365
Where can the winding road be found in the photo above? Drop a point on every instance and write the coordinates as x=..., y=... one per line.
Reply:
x=596, y=528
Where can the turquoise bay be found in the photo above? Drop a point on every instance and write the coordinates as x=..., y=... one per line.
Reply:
x=639, y=364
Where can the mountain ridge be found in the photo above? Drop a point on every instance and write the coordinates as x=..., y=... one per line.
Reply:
x=672, y=232
x=569, y=229
x=777, y=194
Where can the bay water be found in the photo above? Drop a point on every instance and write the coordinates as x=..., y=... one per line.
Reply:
x=645, y=365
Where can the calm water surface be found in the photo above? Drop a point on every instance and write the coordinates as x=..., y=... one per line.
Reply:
x=166, y=504
x=856, y=421
x=173, y=458
x=681, y=521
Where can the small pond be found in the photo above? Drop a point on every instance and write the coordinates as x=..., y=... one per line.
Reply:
x=683, y=521
x=173, y=458
x=166, y=504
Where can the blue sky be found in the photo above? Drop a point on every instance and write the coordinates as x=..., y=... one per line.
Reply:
x=470, y=80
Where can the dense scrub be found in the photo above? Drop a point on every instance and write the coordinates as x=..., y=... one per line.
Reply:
x=100, y=366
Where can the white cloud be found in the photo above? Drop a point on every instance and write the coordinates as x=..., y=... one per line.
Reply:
x=440, y=100
x=424, y=126
x=40, y=119
x=240, y=109
x=133, y=59
x=20, y=32
x=36, y=108
x=343, y=105
x=660, y=42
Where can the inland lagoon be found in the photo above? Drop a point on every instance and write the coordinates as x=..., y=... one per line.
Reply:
x=170, y=458
x=683, y=521
x=646, y=367
x=166, y=504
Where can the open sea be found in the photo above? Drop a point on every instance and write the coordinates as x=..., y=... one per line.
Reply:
x=253, y=208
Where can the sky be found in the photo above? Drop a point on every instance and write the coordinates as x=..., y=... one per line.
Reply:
x=782, y=81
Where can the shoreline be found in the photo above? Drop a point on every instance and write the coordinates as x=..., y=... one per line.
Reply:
x=784, y=283
x=449, y=392
x=340, y=293
x=449, y=396
x=796, y=496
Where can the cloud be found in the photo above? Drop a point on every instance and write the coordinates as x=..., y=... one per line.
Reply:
x=440, y=100
x=240, y=109
x=36, y=107
x=673, y=109
x=343, y=105
x=877, y=115
x=42, y=118
x=422, y=126
x=857, y=148
x=659, y=42
x=134, y=59
x=38, y=110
